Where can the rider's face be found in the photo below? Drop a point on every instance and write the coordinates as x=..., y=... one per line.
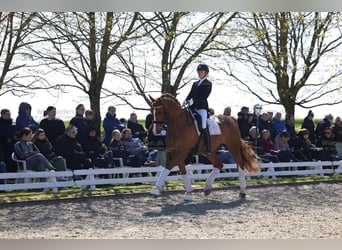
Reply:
x=201, y=74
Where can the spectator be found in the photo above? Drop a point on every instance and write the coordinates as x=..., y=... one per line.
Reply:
x=281, y=144
x=68, y=146
x=266, y=123
x=44, y=146
x=328, y=145
x=278, y=123
x=25, y=119
x=3, y=167
x=243, y=121
x=117, y=147
x=93, y=146
x=137, y=129
x=322, y=124
x=52, y=126
x=290, y=127
x=156, y=142
x=303, y=149
x=337, y=129
x=110, y=122
x=7, y=131
x=80, y=122
x=26, y=150
x=138, y=152
x=227, y=111
x=309, y=124
x=268, y=151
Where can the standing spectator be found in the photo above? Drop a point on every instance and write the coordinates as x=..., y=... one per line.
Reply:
x=227, y=111
x=52, y=126
x=68, y=146
x=26, y=150
x=278, y=123
x=322, y=124
x=137, y=129
x=266, y=123
x=337, y=129
x=110, y=122
x=156, y=142
x=309, y=124
x=290, y=127
x=243, y=122
x=25, y=119
x=80, y=122
x=7, y=131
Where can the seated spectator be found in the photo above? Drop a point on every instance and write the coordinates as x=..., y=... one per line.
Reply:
x=281, y=144
x=337, y=129
x=303, y=149
x=309, y=124
x=117, y=147
x=110, y=122
x=224, y=155
x=25, y=119
x=68, y=147
x=52, y=126
x=268, y=152
x=266, y=123
x=137, y=129
x=26, y=150
x=138, y=152
x=329, y=152
x=227, y=111
x=95, y=149
x=45, y=147
x=3, y=168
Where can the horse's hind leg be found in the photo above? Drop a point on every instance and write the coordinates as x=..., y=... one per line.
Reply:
x=214, y=173
x=243, y=184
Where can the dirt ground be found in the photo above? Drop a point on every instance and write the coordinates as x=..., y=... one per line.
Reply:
x=293, y=211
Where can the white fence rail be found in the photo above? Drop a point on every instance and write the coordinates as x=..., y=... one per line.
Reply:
x=125, y=175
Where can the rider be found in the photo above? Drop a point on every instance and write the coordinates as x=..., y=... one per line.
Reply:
x=197, y=100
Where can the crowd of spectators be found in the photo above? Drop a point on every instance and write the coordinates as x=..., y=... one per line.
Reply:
x=81, y=145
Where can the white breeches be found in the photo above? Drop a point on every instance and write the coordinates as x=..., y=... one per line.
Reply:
x=204, y=114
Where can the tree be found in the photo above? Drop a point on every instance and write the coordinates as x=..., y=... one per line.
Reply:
x=160, y=61
x=14, y=29
x=81, y=46
x=289, y=57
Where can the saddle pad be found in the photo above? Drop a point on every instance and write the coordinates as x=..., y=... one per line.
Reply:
x=214, y=128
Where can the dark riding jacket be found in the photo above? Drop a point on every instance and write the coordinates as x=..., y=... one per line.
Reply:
x=200, y=94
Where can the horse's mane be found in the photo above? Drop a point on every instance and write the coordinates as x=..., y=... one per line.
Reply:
x=170, y=96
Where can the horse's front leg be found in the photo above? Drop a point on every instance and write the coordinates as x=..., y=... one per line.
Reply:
x=160, y=182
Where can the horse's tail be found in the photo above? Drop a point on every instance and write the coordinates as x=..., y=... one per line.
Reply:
x=249, y=158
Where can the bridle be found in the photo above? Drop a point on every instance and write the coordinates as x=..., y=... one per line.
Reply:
x=163, y=120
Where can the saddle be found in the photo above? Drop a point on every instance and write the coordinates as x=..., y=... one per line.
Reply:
x=212, y=124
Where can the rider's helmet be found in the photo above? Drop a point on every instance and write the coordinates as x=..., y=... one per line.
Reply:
x=203, y=67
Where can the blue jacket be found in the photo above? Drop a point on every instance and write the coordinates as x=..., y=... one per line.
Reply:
x=24, y=120
x=109, y=124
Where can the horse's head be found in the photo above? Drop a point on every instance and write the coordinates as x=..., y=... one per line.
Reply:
x=164, y=108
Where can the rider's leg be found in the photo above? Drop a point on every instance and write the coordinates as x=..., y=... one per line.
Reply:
x=204, y=131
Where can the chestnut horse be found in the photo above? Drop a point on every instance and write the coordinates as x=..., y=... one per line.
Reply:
x=182, y=136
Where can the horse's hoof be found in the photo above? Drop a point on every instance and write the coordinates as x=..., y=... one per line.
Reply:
x=188, y=196
x=207, y=192
x=155, y=191
x=242, y=195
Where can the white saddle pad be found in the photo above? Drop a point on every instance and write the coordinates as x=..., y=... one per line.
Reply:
x=214, y=128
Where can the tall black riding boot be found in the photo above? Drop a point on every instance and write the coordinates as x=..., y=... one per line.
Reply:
x=206, y=136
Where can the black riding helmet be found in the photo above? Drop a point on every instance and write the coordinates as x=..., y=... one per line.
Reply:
x=203, y=67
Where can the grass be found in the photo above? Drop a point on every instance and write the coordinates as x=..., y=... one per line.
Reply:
x=77, y=192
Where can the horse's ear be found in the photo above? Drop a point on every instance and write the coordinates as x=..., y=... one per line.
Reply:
x=152, y=99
